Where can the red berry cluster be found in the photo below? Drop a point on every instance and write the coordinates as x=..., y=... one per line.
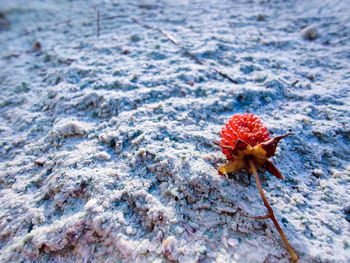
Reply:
x=246, y=127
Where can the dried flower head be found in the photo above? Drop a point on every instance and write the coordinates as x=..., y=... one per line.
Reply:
x=247, y=145
x=245, y=138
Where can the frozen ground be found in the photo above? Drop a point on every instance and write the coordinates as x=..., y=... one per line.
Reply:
x=106, y=142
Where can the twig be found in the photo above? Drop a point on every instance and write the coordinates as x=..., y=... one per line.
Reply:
x=212, y=244
x=98, y=23
x=270, y=213
x=256, y=217
x=28, y=32
x=184, y=50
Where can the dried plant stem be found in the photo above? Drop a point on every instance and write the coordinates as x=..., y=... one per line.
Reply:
x=97, y=23
x=184, y=50
x=270, y=213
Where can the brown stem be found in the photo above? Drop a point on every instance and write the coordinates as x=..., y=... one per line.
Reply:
x=270, y=213
x=256, y=217
x=98, y=23
x=184, y=50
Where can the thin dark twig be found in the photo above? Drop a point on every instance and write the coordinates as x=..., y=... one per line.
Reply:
x=98, y=23
x=184, y=50
x=212, y=244
x=256, y=217
x=28, y=32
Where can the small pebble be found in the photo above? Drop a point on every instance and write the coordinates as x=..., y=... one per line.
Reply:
x=37, y=46
x=129, y=230
x=260, y=17
x=232, y=242
x=39, y=161
x=202, y=249
x=103, y=156
x=309, y=33
x=118, y=146
x=72, y=128
x=170, y=242
x=135, y=38
x=105, y=204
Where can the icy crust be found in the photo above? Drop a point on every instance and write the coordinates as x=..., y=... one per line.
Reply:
x=106, y=150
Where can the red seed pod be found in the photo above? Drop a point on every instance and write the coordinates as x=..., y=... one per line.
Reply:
x=246, y=127
x=245, y=138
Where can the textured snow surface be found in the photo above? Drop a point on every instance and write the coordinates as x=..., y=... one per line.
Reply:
x=106, y=150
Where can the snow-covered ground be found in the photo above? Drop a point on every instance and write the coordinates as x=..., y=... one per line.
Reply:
x=106, y=150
